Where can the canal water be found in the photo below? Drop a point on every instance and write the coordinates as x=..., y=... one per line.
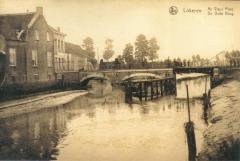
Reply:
x=104, y=128
x=196, y=85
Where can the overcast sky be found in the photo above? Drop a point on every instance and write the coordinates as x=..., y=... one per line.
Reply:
x=180, y=35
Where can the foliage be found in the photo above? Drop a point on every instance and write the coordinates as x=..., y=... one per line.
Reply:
x=128, y=53
x=153, y=48
x=141, y=48
x=233, y=57
x=198, y=61
x=120, y=59
x=93, y=62
x=88, y=45
x=108, y=52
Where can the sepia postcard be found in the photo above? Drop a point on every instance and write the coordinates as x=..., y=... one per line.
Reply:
x=120, y=80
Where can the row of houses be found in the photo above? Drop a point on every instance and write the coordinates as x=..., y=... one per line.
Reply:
x=33, y=51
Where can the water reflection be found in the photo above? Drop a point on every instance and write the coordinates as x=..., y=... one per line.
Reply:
x=196, y=86
x=32, y=136
x=101, y=129
x=101, y=126
x=99, y=88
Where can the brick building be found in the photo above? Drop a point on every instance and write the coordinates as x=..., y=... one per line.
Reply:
x=28, y=47
x=32, y=52
x=76, y=57
x=60, y=57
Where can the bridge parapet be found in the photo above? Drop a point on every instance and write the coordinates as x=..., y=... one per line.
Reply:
x=114, y=76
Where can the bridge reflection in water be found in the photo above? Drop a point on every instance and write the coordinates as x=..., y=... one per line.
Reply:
x=197, y=86
x=102, y=129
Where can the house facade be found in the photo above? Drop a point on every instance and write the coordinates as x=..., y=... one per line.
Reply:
x=60, y=56
x=29, y=47
x=31, y=51
x=76, y=57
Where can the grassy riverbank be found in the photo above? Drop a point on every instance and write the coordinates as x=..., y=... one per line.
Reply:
x=221, y=139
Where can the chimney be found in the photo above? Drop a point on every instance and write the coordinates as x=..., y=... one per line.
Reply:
x=58, y=28
x=39, y=10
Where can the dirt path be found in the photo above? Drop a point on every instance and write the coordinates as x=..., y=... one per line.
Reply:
x=20, y=106
x=225, y=119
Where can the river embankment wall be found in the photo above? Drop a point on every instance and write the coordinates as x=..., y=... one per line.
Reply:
x=221, y=138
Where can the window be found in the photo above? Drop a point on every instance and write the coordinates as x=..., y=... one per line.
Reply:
x=36, y=34
x=56, y=64
x=49, y=59
x=62, y=45
x=13, y=78
x=48, y=36
x=34, y=58
x=63, y=64
x=36, y=76
x=49, y=76
x=59, y=45
x=59, y=62
x=12, y=57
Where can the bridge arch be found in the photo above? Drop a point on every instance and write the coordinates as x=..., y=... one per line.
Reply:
x=141, y=76
x=84, y=81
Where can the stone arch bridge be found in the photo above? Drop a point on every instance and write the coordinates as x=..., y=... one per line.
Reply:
x=114, y=76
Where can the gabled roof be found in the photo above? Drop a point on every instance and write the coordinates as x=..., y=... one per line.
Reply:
x=74, y=49
x=13, y=26
x=56, y=31
x=11, y=23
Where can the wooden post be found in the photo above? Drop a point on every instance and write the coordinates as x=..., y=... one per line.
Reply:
x=161, y=84
x=175, y=83
x=140, y=91
x=189, y=129
x=168, y=86
x=189, y=115
x=205, y=103
x=209, y=97
x=63, y=81
x=151, y=90
x=145, y=90
x=157, y=88
x=128, y=92
x=191, y=140
x=205, y=107
x=206, y=85
x=165, y=86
